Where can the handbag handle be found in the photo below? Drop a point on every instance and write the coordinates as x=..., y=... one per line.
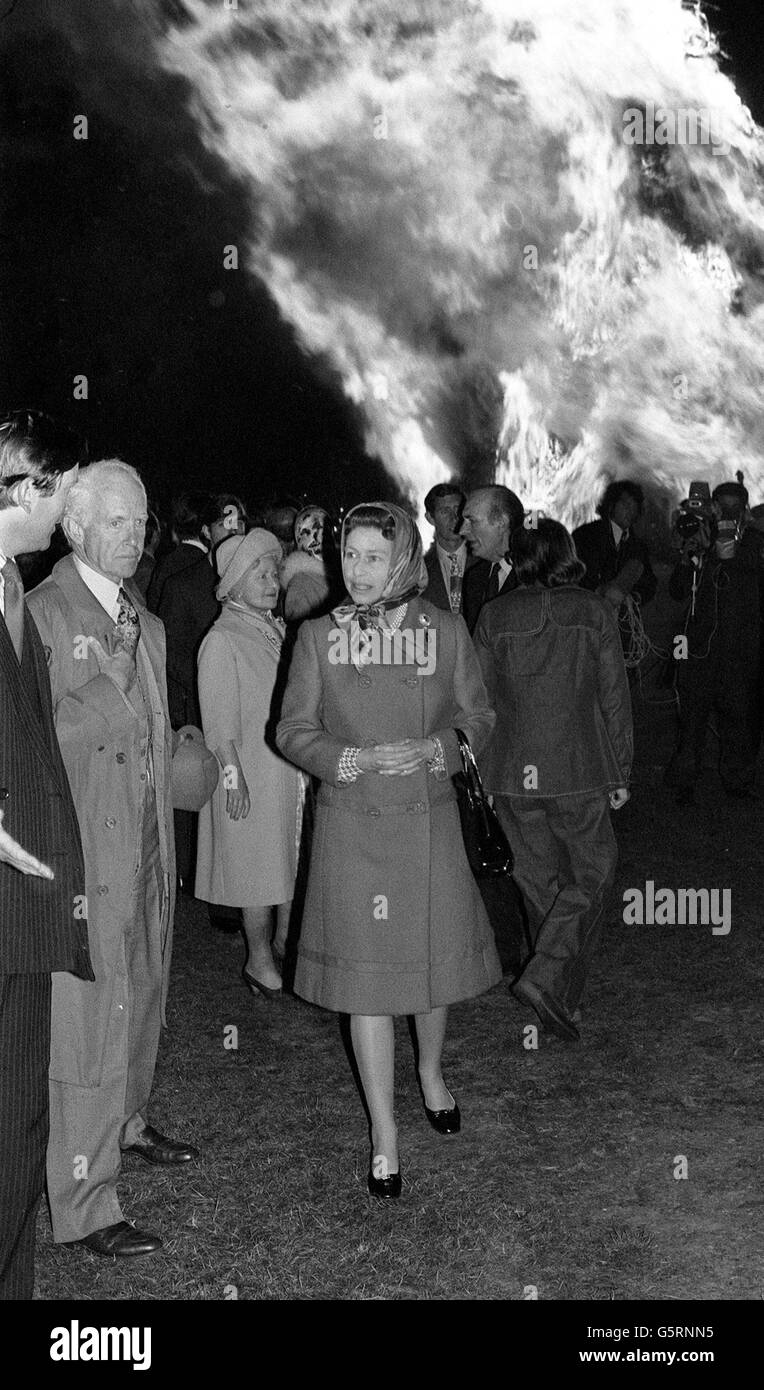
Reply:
x=470, y=768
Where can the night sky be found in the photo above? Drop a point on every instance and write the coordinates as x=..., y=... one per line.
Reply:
x=112, y=267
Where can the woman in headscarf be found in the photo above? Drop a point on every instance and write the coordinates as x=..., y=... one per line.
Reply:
x=393, y=922
x=249, y=832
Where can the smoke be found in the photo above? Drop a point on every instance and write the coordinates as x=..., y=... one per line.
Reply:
x=446, y=206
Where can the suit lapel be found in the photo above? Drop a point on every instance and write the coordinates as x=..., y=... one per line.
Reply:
x=37, y=733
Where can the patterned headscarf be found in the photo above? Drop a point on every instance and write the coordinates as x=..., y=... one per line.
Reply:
x=406, y=578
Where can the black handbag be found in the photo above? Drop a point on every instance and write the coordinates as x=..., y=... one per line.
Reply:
x=487, y=847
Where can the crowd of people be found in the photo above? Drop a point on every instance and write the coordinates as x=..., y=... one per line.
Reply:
x=334, y=673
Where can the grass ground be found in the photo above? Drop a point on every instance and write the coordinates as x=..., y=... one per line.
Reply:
x=563, y=1179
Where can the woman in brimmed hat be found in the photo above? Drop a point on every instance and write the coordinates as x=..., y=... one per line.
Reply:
x=249, y=832
x=393, y=922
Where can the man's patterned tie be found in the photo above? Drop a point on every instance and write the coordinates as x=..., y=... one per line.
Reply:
x=128, y=623
x=455, y=586
x=13, y=601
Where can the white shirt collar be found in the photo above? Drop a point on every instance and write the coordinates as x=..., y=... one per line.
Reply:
x=189, y=540
x=617, y=531
x=103, y=589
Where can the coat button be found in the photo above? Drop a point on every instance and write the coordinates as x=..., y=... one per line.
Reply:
x=102, y=890
x=110, y=822
x=4, y=793
x=374, y=811
x=415, y=807
x=364, y=680
x=100, y=747
x=411, y=680
x=121, y=758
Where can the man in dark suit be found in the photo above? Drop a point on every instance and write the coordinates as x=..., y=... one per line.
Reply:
x=617, y=561
x=182, y=594
x=490, y=516
x=43, y=908
x=448, y=559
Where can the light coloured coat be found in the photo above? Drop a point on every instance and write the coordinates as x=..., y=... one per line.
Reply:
x=250, y=862
x=100, y=736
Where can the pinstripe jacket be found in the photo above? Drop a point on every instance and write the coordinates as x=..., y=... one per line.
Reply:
x=43, y=924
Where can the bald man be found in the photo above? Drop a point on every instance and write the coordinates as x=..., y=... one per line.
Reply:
x=489, y=517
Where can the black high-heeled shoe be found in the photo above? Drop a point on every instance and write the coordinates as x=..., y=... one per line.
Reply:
x=389, y=1186
x=257, y=987
x=445, y=1121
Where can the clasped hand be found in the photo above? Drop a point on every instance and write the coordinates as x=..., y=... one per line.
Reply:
x=396, y=759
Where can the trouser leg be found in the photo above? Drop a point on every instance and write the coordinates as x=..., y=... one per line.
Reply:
x=735, y=700
x=571, y=929
x=24, y=1058
x=88, y=1122
x=144, y=976
x=696, y=696
x=536, y=855
x=84, y=1157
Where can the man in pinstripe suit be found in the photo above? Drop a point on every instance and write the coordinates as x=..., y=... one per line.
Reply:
x=43, y=910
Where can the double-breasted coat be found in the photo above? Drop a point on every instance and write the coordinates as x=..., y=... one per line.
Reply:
x=393, y=922
x=104, y=753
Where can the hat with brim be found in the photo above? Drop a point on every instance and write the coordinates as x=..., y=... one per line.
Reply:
x=235, y=556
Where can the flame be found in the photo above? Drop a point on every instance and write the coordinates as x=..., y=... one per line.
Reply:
x=446, y=206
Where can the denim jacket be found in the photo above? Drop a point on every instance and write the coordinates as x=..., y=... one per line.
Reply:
x=554, y=671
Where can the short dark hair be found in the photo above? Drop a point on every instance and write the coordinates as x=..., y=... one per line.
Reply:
x=190, y=512
x=545, y=554
x=281, y=525
x=441, y=490
x=378, y=517
x=506, y=504
x=617, y=489
x=220, y=503
x=34, y=445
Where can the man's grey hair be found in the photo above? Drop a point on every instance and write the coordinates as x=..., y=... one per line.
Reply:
x=92, y=480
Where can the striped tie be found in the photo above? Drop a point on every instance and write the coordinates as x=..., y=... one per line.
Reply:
x=13, y=600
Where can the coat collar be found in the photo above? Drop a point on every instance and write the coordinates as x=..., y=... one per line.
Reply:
x=77, y=593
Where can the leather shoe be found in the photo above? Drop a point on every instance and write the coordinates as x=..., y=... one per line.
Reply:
x=257, y=987
x=445, y=1121
x=156, y=1148
x=387, y=1185
x=554, y=1018
x=120, y=1240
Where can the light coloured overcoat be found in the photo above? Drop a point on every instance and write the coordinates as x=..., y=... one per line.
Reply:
x=393, y=922
x=250, y=862
x=104, y=754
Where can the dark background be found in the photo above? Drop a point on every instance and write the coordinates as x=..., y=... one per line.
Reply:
x=111, y=266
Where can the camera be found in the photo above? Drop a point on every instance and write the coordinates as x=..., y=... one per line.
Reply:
x=695, y=509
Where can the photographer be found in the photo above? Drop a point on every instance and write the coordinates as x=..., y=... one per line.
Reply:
x=617, y=562
x=717, y=666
